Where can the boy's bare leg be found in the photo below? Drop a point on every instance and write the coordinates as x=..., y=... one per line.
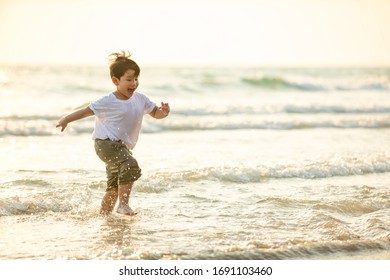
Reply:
x=109, y=201
x=124, y=195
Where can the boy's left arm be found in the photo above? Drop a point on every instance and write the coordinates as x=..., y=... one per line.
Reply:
x=160, y=112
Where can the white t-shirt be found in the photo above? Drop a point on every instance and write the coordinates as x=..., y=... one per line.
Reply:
x=118, y=119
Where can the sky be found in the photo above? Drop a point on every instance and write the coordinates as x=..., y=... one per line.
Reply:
x=197, y=32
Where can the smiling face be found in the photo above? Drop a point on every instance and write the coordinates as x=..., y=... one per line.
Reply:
x=126, y=85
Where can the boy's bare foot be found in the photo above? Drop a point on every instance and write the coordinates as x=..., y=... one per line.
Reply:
x=126, y=210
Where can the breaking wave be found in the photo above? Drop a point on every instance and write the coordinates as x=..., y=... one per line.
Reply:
x=307, y=83
x=294, y=118
x=370, y=164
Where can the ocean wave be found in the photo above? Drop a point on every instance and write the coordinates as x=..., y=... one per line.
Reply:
x=280, y=109
x=70, y=199
x=255, y=249
x=267, y=123
x=296, y=249
x=308, y=83
x=229, y=110
x=29, y=117
x=25, y=128
x=338, y=109
x=348, y=166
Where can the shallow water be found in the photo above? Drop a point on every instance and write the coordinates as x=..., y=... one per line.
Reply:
x=246, y=167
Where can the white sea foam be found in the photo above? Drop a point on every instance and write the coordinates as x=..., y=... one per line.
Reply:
x=338, y=166
x=24, y=126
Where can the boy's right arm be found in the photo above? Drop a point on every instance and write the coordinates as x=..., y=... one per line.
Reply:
x=80, y=114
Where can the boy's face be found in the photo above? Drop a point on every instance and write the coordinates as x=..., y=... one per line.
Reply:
x=127, y=84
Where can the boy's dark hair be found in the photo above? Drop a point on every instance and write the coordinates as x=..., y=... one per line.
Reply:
x=120, y=63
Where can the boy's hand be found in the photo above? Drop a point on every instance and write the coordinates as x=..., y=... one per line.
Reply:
x=160, y=112
x=165, y=109
x=62, y=123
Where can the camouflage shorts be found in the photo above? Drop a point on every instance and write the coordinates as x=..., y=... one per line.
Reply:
x=121, y=167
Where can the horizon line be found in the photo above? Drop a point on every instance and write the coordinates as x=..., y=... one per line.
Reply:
x=200, y=65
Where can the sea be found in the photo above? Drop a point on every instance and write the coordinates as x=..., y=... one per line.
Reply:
x=253, y=163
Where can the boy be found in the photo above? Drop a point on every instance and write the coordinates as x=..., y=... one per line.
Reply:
x=118, y=119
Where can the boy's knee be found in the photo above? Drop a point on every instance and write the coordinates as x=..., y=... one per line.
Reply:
x=129, y=171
